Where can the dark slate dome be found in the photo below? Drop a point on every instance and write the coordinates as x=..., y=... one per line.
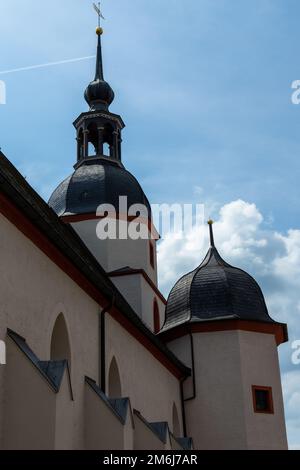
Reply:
x=215, y=291
x=93, y=183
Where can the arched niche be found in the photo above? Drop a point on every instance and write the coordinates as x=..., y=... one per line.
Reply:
x=114, y=381
x=60, y=344
x=175, y=419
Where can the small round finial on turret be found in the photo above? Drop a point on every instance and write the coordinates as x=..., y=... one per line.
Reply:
x=99, y=31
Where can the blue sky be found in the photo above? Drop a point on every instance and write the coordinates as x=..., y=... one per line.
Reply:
x=204, y=87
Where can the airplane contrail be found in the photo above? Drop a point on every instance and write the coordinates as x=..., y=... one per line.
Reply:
x=49, y=64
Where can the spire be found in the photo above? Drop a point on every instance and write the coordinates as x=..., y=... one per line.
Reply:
x=99, y=94
x=99, y=32
x=211, y=233
x=99, y=62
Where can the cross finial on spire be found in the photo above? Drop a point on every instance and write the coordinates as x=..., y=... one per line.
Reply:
x=99, y=32
x=99, y=12
x=211, y=233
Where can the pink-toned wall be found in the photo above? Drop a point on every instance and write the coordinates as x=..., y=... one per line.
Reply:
x=33, y=292
x=116, y=254
x=140, y=295
x=227, y=364
x=151, y=388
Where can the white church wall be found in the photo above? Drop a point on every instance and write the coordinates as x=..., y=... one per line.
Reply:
x=145, y=438
x=64, y=416
x=148, y=297
x=116, y=254
x=140, y=295
x=152, y=389
x=30, y=405
x=33, y=292
x=131, y=288
x=182, y=349
x=215, y=418
x=103, y=430
x=227, y=364
x=260, y=366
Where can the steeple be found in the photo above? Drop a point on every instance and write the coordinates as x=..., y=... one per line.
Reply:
x=99, y=94
x=99, y=62
x=99, y=130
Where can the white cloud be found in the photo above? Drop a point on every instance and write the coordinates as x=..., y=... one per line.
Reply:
x=246, y=240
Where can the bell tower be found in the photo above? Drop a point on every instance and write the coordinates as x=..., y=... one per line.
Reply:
x=99, y=180
x=99, y=130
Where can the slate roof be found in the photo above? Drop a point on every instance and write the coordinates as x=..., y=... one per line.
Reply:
x=96, y=181
x=118, y=406
x=185, y=442
x=215, y=290
x=160, y=429
x=52, y=371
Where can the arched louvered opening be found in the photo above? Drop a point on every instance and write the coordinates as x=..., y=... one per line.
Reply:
x=92, y=140
x=60, y=345
x=80, y=148
x=114, y=381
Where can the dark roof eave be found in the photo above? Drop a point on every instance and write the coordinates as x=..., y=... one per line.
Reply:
x=87, y=114
x=185, y=327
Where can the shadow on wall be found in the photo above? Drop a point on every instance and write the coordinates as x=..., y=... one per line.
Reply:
x=114, y=381
x=60, y=344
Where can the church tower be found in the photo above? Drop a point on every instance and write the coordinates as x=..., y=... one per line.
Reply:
x=106, y=205
x=218, y=324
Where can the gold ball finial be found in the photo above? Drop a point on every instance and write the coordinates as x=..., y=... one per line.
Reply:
x=210, y=222
x=99, y=31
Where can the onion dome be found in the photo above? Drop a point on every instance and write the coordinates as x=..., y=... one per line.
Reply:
x=96, y=181
x=99, y=94
x=215, y=290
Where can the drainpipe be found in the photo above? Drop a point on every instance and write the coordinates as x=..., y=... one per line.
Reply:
x=193, y=369
x=102, y=348
x=183, y=400
x=183, y=408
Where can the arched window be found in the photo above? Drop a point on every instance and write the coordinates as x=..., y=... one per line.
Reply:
x=176, y=425
x=156, y=318
x=60, y=345
x=92, y=140
x=91, y=149
x=106, y=149
x=114, y=382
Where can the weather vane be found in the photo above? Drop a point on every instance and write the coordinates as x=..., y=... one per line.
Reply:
x=99, y=13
